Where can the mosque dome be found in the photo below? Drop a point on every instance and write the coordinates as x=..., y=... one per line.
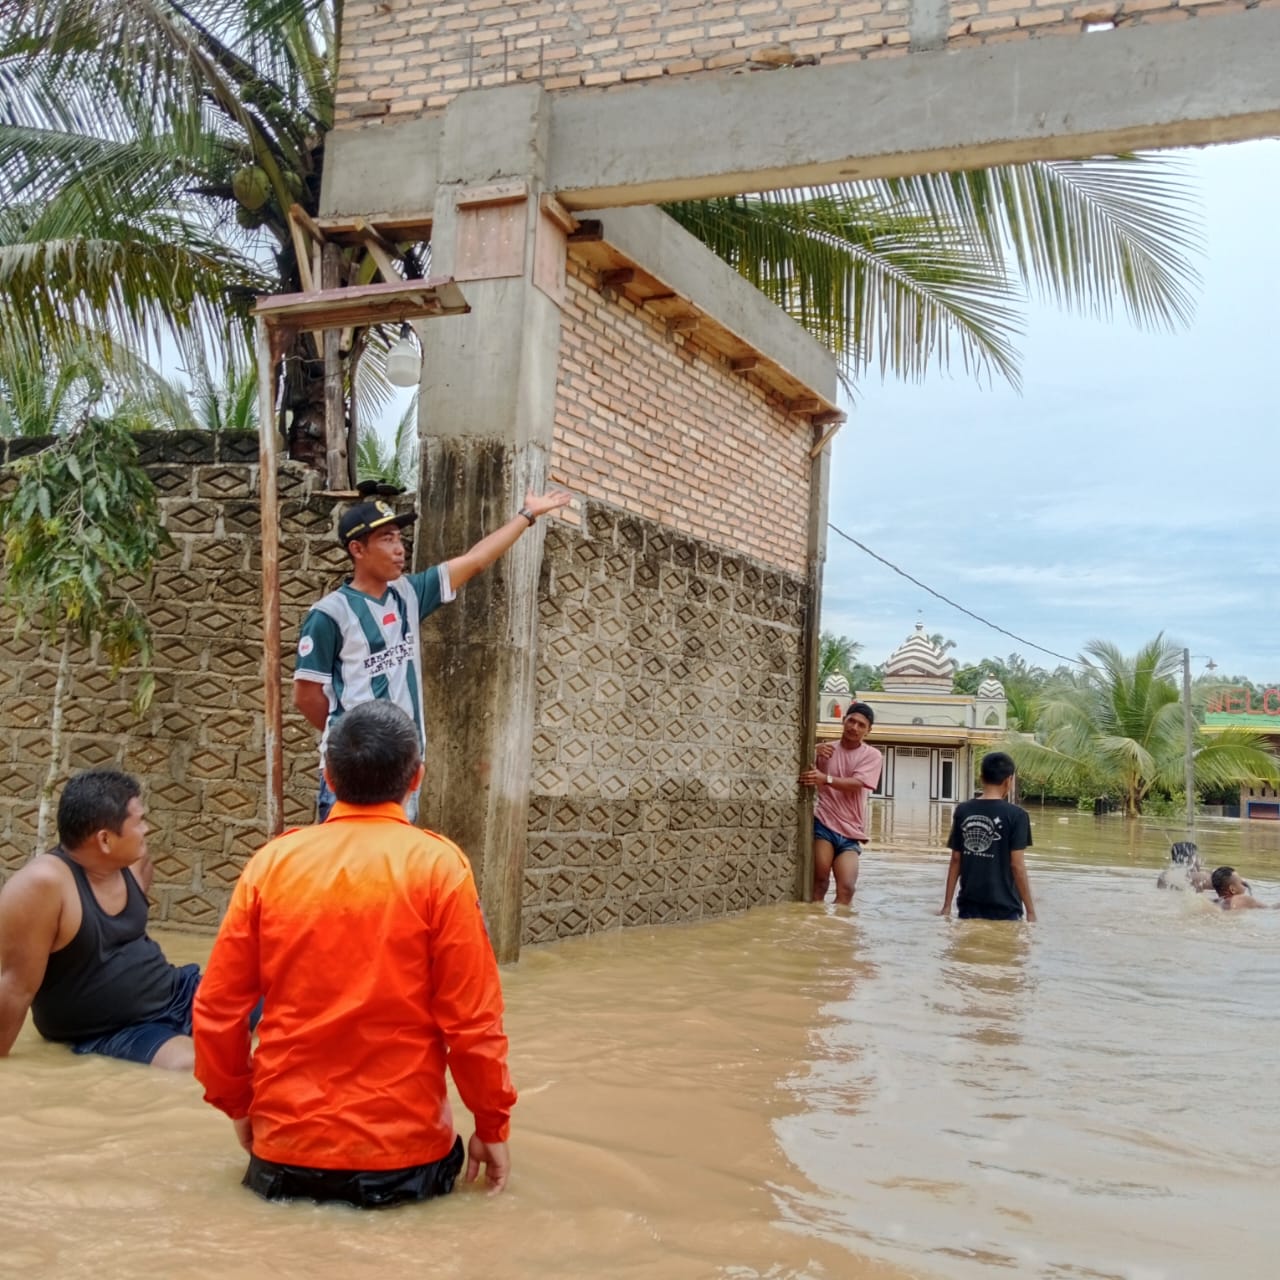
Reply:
x=991, y=688
x=836, y=683
x=917, y=665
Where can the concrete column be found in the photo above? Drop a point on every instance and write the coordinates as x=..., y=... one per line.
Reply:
x=817, y=555
x=485, y=422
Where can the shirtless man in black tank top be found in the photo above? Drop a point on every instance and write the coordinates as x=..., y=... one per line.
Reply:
x=73, y=942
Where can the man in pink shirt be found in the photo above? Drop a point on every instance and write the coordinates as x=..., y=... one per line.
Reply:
x=843, y=774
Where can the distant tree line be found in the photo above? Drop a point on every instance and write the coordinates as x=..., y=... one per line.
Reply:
x=1109, y=727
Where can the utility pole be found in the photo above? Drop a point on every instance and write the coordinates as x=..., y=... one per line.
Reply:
x=1189, y=762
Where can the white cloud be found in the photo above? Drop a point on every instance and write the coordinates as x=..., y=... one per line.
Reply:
x=1124, y=493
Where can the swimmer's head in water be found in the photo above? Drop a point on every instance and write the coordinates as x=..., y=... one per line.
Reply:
x=1185, y=851
x=1226, y=883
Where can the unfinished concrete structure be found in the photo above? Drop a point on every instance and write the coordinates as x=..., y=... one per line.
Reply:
x=479, y=124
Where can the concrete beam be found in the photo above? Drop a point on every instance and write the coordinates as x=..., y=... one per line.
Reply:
x=1204, y=80
x=664, y=249
x=1190, y=83
x=385, y=172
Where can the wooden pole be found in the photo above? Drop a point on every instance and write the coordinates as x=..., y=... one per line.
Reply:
x=335, y=407
x=268, y=493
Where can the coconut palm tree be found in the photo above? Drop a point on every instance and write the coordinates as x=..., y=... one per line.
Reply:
x=393, y=462
x=1120, y=732
x=836, y=656
x=150, y=151
x=51, y=393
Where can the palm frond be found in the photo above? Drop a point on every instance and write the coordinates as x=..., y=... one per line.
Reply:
x=877, y=284
x=1083, y=233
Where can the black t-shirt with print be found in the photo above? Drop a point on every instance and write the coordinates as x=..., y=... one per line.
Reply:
x=986, y=832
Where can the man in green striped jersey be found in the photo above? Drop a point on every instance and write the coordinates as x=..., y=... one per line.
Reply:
x=361, y=642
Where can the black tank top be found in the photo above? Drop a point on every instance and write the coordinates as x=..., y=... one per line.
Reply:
x=109, y=976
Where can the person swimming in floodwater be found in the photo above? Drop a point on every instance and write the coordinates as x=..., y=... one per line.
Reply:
x=1184, y=870
x=1233, y=893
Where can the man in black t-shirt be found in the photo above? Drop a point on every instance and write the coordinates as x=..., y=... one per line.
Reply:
x=988, y=840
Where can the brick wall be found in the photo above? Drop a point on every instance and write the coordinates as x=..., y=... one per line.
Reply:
x=406, y=57
x=667, y=730
x=670, y=638
x=655, y=423
x=198, y=747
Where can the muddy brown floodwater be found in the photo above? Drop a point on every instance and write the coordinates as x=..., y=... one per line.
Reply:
x=796, y=1092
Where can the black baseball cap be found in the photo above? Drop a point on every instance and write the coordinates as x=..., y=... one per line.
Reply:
x=365, y=517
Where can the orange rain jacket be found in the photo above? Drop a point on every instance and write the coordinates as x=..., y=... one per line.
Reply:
x=364, y=938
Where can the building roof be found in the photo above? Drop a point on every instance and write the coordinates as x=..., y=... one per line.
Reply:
x=917, y=665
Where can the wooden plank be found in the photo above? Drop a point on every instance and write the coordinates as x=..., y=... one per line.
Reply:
x=302, y=252
x=395, y=228
x=335, y=415
x=370, y=235
x=272, y=675
x=550, y=252
x=492, y=193
x=744, y=364
x=683, y=324
x=826, y=437
x=557, y=213
x=385, y=263
x=620, y=276
x=299, y=215
x=364, y=304
x=491, y=240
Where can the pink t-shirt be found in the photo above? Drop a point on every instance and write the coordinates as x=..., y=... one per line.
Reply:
x=845, y=811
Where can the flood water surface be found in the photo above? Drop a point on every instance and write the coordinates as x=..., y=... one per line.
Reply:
x=796, y=1092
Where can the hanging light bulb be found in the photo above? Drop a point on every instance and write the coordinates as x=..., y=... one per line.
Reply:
x=404, y=364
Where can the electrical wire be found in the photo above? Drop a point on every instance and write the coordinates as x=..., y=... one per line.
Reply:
x=977, y=617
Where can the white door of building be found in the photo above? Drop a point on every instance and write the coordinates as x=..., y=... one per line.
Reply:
x=911, y=774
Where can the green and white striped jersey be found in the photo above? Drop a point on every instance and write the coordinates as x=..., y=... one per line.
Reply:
x=362, y=649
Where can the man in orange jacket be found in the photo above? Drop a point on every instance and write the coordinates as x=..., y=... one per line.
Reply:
x=365, y=940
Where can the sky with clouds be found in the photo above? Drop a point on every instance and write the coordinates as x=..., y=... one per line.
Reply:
x=1129, y=489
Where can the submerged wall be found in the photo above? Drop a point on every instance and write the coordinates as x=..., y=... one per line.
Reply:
x=670, y=631
x=668, y=730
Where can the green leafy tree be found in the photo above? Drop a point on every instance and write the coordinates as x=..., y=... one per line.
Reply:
x=150, y=152
x=1023, y=686
x=1120, y=732
x=80, y=522
x=864, y=678
x=836, y=656
x=394, y=462
x=50, y=393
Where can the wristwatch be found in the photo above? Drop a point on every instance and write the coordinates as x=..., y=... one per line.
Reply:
x=528, y=515
x=828, y=779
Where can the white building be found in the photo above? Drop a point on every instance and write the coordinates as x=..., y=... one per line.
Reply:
x=931, y=738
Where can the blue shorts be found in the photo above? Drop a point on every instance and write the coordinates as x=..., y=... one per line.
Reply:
x=841, y=844
x=141, y=1041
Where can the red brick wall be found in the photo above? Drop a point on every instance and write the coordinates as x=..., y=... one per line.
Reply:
x=659, y=425
x=406, y=57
